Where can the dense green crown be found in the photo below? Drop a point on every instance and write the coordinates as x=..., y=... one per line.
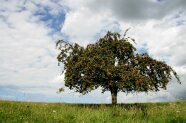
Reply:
x=113, y=64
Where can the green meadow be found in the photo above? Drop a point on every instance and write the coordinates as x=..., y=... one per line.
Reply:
x=31, y=112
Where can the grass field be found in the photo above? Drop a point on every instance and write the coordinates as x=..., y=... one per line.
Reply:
x=29, y=112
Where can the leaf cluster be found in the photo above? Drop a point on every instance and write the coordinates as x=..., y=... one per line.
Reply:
x=113, y=64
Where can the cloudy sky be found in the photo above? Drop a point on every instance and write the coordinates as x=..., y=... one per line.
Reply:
x=30, y=28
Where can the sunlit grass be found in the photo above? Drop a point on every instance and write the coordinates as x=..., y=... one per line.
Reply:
x=29, y=112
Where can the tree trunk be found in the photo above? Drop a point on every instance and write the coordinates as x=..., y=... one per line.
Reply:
x=114, y=97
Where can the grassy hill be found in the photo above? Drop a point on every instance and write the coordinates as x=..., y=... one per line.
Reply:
x=30, y=112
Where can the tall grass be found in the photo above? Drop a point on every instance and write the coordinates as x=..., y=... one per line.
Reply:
x=29, y=112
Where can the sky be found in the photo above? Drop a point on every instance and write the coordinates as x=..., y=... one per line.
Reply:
x=29, y=29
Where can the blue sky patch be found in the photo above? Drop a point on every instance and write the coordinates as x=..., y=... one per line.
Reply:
x=55, y=22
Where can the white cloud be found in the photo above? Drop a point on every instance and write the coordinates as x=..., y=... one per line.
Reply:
x=143, y=97
x=82, y=26
x=58, y=79
x=28, y=54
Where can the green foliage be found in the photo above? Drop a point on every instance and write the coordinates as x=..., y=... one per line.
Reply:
x=28, y=112
x=113, y=64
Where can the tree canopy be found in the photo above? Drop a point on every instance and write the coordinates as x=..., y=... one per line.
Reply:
x=113, y=64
